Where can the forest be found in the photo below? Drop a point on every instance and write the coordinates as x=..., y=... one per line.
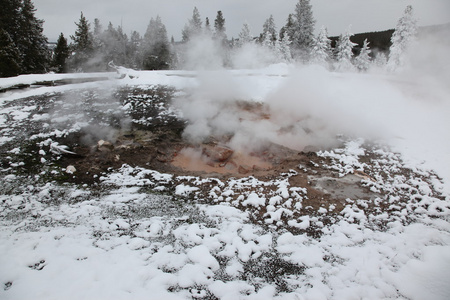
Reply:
x=95, y=47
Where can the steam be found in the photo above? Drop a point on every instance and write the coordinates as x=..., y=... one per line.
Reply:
x=310, y=106
x=300, y=112
x=94, y=112
x=252, y=56
x=203, y=53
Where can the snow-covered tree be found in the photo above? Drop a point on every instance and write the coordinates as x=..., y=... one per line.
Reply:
x=245, y=35
x=363, y=61
x=82, y=46
x=321, y=49
x=269, y=30
x=60, y=54
x=219, y=27
x=115, y=46
x=344, y=53
x=284, y=49
x=380, y=60
x=196, y=21
x=304, y=28
x=271, y=49
x=267, y=41
x=289, y=28
x=402, y=37
x=193, y=27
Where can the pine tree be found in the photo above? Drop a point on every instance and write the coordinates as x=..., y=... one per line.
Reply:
x=25, y=32
x=271, y=48
x=208, y=30
x=97, y=36
x=289, y=28
x=233, y=43
x=60, y=55
x=196, y=21
x=135, y=53
x=219, y=27
x=380, y=60
x=304, y=28
x=9, y=56
x=10, y=18
x=402, y=37
x=362, y=61
x=97, y=27
x=156, y=47
x=321, y=49
x=83, y=46
x=344, y=52
x=245, y=36
x=269, y=30
x=31, y=42
x=193, y=27
x=116, y=44
x=267, y=41
x=284, y=49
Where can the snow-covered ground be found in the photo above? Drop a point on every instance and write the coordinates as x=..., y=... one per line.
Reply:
x=142, y=234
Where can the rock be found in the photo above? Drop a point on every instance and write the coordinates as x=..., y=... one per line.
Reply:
x=71, y=169
x=104, y=146
x=212, y=164
x=363, y=175
x=218, y=153
x=244, y=170
x=161, y=158
x=230, y=166
x=258, y=168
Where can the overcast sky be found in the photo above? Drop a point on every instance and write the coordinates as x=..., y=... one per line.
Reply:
x=336, y=15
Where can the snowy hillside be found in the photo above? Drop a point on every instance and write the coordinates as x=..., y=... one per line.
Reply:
x=289, y=182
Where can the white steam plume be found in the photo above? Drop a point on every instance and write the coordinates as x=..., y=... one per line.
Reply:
x=311, y=105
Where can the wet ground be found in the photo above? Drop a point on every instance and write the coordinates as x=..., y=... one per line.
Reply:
x=81, y=136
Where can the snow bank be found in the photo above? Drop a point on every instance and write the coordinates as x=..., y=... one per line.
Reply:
x=89, y=250
x=37, y=78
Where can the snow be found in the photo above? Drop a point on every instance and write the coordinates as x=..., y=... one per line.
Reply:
x=36, y=78
x=426, y=278
x=122, y=242
x=117, y=264
x=184, y=190
x=254, y=200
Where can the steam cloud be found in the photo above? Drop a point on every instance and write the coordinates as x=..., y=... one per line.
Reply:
x=79, y=111
x=312, y=105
